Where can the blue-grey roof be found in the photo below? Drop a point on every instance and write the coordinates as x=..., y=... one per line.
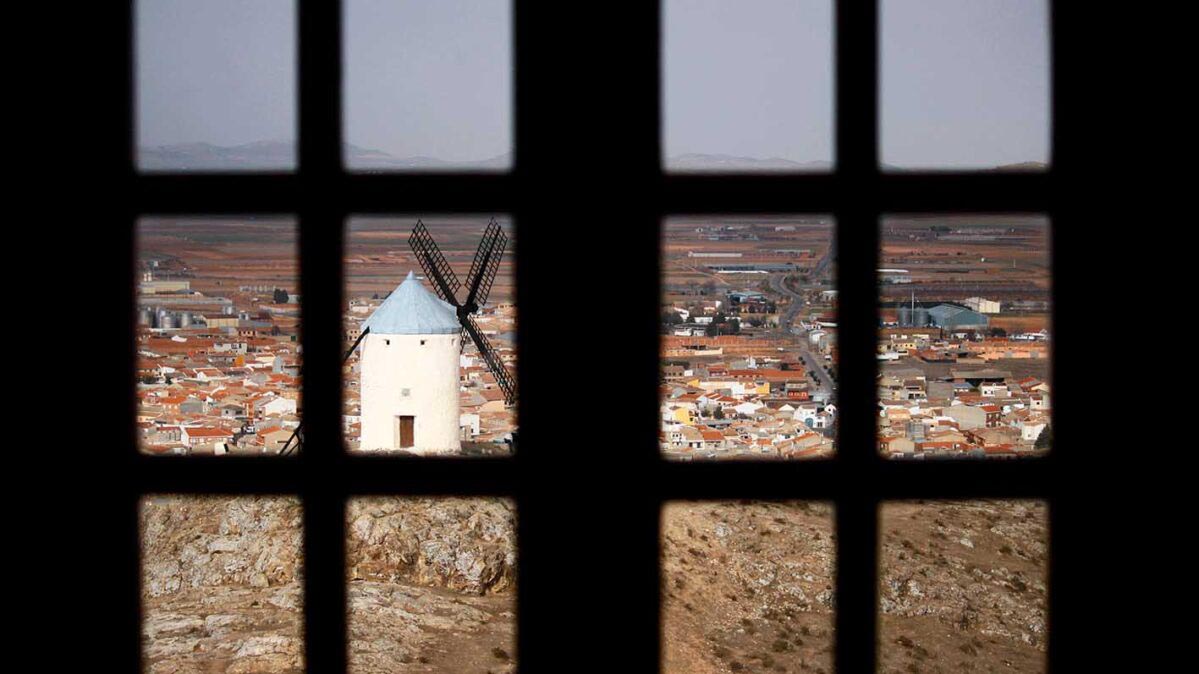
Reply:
x=413, y=310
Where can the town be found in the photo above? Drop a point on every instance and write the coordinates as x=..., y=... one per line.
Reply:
x=749, y=347
x=964, y=341
x=218, y=352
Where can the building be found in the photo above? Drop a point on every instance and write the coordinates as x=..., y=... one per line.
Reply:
x=409, y=374
x=981, y=305
x=953, y=317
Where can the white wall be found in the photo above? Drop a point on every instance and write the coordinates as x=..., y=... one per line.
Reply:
x=392, y=364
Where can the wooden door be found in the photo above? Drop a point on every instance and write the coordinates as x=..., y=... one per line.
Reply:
x=405, y=429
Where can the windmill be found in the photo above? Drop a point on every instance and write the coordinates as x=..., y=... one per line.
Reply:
x=446, y=284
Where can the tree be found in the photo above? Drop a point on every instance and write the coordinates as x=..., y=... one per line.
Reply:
x=998, y=333
x=1045, y=439
x=280, y=296
x=719, y=413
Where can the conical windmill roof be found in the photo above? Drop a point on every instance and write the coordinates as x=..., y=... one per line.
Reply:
x=410, y=309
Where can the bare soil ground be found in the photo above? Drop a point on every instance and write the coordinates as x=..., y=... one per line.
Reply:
x=963, y=587
x=747, y=587
x=378, y=256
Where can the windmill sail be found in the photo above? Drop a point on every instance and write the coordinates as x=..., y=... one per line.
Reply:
x=434, y=264
x=485, y=265
x=506, y=381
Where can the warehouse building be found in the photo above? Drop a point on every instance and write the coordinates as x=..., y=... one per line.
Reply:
x=953, y=317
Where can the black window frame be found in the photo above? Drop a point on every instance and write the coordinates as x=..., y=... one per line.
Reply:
x=587, y=173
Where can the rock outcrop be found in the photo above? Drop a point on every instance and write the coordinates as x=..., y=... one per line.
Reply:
x=221, y=585
x=461, y=544
x=747, y=587
x=431, y=585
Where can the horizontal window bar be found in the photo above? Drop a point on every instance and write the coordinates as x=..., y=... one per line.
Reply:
x=464, y=193
x=348, y=474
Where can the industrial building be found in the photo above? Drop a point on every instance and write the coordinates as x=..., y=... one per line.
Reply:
x=953, y=317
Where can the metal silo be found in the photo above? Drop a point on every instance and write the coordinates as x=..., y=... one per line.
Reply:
x=185, y=319
x=905, y=316
x=920, y=317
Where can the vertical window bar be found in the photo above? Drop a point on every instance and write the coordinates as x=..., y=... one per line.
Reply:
x=321, y=215
x=1061, y=626
x=857, y=249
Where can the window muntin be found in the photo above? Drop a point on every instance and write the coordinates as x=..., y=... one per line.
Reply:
x=854, y=194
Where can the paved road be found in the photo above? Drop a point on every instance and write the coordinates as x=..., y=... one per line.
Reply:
x=816, y=367
x=797, y=302
x=811, y=361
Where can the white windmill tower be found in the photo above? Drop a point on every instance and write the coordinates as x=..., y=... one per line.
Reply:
x=410, y=353
x=409, y=373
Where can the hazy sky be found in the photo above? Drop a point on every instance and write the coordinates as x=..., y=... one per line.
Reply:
x=215, y=71
x=430, y=77
x=750, y=78
x=964, y=82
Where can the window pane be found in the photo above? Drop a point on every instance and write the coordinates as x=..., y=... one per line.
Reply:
x=431, y=585
x=965, y=84
x=748, y=85
x=421, y=381
x=218, y=345
x=963, y=586
x=749, y=337
x=216, y=85
x=428, y=85
x=964, y=344
x=221, y=584
x=747, y=587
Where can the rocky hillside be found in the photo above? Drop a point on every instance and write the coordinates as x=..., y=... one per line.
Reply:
x=221, y=585
x=462, y=544
x=431, y=585
x=963, y=586
x=747, y=587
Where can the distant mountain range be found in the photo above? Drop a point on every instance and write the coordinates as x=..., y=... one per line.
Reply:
x=725, y=162
x=276, y=155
